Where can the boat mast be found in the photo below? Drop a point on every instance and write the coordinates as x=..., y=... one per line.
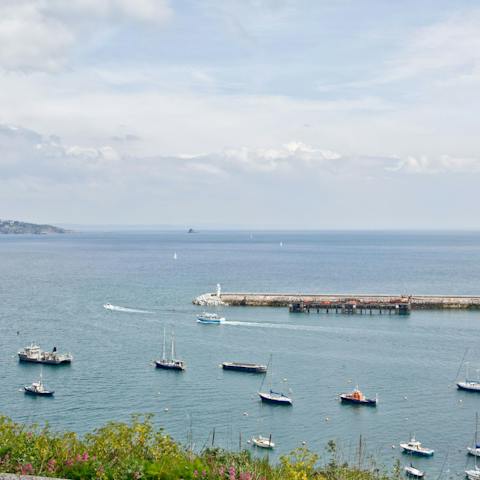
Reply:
x=163, y=353
x=173, y=345
x=268, y=373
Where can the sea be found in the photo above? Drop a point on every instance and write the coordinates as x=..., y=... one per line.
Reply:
x=53, y=288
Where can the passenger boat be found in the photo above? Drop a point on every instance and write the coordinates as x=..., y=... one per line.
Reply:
x=211, y=318
x=271, y=396
x=413, y=472
x=415, y=447
x=467, y=384
x=35, y=354
x=358, y=398
x=170, y=363
x=245, y=367
x=263, y=442
x=38, y=388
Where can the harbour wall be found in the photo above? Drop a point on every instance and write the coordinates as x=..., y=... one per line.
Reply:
x=416, y=302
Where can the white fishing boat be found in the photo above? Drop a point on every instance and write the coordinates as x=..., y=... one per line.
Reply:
x=34, y=354
x=413, y=472
x=469, y=384
x=169, y=363
x=415, y=447
x=263, y=442
x=272, y=396
x=38, y=388
x=210, y=318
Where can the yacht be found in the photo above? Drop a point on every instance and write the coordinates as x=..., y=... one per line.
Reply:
x=467, y=384
x=271, y=396
x=170, y=363
x=415, y=447
x=35, y=354
x=473, y=474
x=358, y=398
x=211, y=318
x=263, y=442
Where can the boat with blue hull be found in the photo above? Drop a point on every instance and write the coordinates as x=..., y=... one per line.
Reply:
x=272, y=396
x=38, y=389
x=210, y=318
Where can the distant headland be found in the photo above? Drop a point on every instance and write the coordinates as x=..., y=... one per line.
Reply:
x=18, y=228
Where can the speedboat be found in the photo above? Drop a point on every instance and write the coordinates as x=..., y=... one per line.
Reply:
x=263, y=442
x=108, y=306
x=211, y=318
x=35, y=354
x=37, y=388
x=413, y=472
x=275, y=397
x=415, y=447
x=358, y=398
x=245, y=367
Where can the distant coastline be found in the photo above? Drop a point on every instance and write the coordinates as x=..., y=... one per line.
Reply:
x=15, y=227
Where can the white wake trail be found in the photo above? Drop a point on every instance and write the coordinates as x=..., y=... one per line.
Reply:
x=117, y=308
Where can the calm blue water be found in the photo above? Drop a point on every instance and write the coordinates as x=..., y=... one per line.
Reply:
x=52, y=290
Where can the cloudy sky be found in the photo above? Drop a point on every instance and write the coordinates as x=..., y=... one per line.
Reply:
x=248, y=113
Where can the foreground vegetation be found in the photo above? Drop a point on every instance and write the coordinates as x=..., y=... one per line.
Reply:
x=139, y=451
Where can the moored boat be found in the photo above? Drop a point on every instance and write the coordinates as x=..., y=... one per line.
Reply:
x=473, y=474
x=34, y=354
x=211, y=318
x=358, y=398
x=468, y=384
x=275, y=397
x=263, y=442
x=413, y=472
x=170, y=363
x=415, y=447
x=245, y=367
x=38, y=388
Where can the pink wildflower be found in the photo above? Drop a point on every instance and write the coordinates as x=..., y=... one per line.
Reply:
x=221, y=471
x=26, y=469
x=204, y=473
x=69, y=462
x=232, y=473
x=51, y=464
x=85, y=457
x=195, y=473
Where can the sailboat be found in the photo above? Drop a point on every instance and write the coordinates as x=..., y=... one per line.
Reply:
x=474, y=474
x=263, y=442
x=475, y=450
x=271, y=396
x=470, y=385
x=169, y=363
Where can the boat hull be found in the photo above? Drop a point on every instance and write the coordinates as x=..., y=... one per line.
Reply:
x=413, y=472
x=473, y=451
x=23, y=358
x=354, y=401
x=469, y=387
x=244, y=367
x=30, y=391
x=169, y=366
x=277, y=400
x=420, y=453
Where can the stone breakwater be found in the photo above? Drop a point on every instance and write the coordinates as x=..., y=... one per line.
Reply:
x=417, y=302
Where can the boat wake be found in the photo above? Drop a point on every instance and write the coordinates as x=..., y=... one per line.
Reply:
x=285, y=326
x=117, y=308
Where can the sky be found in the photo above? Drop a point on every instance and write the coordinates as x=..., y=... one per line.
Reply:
x=275, y=114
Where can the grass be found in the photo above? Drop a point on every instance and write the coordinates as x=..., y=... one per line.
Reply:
x=137, y=450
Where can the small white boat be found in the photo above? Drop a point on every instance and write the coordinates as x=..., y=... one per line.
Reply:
x=263, y=442
x=415, y=447
x=413, y=472
x=108, y=306
x=211, y=318
x=473, y=474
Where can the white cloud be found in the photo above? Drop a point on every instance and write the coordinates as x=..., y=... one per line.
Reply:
x=38, y=35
